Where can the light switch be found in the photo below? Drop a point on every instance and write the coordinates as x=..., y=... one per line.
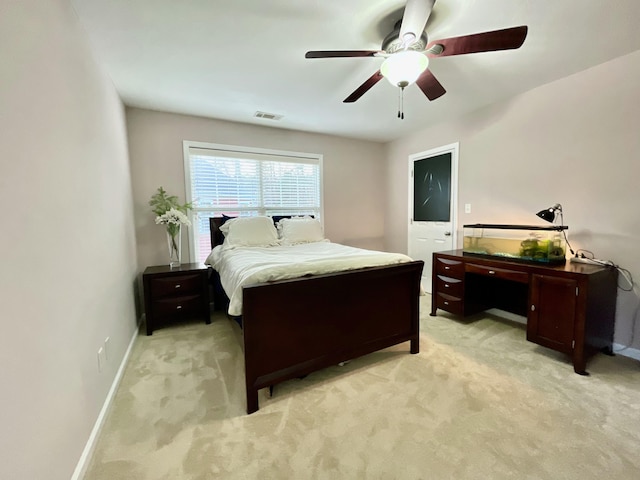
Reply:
x=467, y=208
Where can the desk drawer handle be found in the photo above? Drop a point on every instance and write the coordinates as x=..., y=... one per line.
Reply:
x=491, y=272
x=533, y=308
x=446, y=303
x=447, y=268
x=178, y=307
x=446, y=285
x=178, y=285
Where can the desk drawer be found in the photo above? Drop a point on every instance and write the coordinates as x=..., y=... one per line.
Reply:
x=449, y=286
x=513, y=275
x=450, y=268
x=449, y=303
x=177, y=305
x=175, y=285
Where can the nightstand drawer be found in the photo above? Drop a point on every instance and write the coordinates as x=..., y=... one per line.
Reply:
x=175, y=285
x=171, y=306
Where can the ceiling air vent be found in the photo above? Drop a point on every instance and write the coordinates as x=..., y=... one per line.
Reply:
x=267, y=116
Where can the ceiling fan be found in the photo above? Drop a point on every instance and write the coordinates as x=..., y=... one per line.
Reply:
x=407, y=51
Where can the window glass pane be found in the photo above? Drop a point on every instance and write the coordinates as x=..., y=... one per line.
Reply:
x=290, y=185
x=203, y=238
x=248, y=183
x=224, y=182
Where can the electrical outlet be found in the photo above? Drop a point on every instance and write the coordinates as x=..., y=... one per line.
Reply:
x=106, y=348
x=101, y=359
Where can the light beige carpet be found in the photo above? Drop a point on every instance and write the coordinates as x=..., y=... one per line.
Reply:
x=478, y=402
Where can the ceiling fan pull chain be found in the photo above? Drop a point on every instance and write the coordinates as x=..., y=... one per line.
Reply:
x=401, y=104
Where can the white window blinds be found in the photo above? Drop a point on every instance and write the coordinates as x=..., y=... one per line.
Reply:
x=238, y=181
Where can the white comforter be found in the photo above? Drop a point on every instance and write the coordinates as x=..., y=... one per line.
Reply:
x=240, y=266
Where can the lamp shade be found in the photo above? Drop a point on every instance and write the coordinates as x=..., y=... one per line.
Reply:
x=549, y=214
x=404, y=68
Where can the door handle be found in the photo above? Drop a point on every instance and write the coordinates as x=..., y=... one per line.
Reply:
x=447, y=234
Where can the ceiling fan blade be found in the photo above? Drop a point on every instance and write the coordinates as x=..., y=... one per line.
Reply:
x=341, y=53
x=414, y=19
x=362, y=89
x=507, y=39
x=430, y=85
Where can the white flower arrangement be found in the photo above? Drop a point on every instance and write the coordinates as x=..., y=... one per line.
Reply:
x=173, y=217
x=169, y=212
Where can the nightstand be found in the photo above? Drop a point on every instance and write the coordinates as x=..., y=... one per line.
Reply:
x=176, y=293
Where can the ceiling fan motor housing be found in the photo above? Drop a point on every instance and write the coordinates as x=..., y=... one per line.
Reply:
x=392, y=43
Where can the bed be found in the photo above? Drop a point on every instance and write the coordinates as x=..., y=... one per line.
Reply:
x=295, y=326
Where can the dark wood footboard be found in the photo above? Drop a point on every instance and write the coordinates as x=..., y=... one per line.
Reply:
x=294, y=327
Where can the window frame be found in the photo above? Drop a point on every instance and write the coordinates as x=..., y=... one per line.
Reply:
x=252, y=153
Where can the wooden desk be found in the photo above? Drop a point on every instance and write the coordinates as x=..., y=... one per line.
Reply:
x=569, y=307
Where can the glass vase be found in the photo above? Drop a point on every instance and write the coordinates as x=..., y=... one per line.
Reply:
x=174, y=242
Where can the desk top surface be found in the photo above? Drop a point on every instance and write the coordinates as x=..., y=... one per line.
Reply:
x=568, y=266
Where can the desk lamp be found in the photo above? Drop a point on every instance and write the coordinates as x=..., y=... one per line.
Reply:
x=549, y=215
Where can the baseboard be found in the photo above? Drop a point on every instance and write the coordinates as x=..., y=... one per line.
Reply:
x=83, y=463
x=626, y=351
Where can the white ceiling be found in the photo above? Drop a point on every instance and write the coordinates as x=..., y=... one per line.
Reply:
x=229, y=59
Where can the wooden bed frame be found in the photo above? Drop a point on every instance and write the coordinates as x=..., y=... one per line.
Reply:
x=294, y=327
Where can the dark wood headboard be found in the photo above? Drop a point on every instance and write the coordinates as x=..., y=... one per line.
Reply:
x=217, y=236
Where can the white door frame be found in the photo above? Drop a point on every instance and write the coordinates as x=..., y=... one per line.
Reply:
x=453, y=148
x=450, y=148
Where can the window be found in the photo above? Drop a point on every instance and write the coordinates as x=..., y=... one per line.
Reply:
x=239, y=181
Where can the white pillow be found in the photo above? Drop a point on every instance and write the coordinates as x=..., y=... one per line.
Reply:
x=300, y=230
x=250, y=232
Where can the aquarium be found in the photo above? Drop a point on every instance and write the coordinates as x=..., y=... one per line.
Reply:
x=530, y=243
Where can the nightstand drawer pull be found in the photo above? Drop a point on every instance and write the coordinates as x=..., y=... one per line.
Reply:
x=446, y=285
x=178, y=286
x=492, y=272
x=446, y=303
x=178, y=307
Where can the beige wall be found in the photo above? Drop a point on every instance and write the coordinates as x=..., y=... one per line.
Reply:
x=353, y=174
x=68, y=261
x=574, y=141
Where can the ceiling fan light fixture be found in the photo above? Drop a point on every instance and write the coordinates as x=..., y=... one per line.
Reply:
x=403, y=68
